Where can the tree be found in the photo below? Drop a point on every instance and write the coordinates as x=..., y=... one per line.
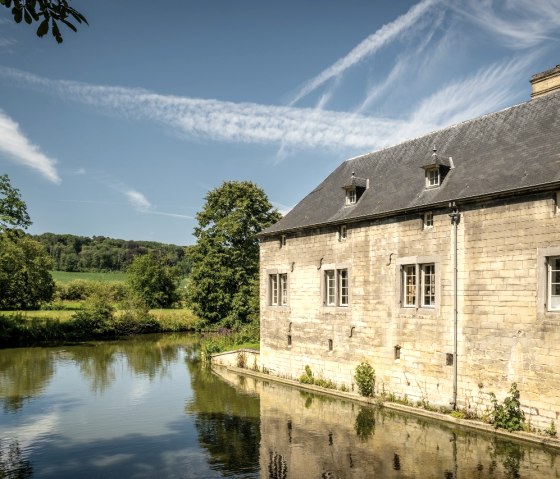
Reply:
x=49, y=12
x=154, y=281
x=13, y=210
x=25, y=278
x=223, y=285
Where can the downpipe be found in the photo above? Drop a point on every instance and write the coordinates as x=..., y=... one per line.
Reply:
x=455, y=217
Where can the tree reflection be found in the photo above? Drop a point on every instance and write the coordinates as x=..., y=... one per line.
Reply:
x=227, y=421
x=12, y=462
x=24, y=373
x=365, y=423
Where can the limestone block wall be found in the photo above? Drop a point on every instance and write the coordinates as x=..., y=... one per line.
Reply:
x=504, y=333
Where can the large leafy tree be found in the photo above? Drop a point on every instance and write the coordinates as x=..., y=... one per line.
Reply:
x=25, y=279
x=154, y=281
x=48, y=13
x=223, y=285
x=13, y=210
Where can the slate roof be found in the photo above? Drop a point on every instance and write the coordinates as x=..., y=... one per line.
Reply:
x=513, y=150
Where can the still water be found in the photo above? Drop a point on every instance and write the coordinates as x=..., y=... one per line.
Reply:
x=145, y=408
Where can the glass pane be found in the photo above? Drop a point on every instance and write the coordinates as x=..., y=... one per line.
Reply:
x=555, y=302
x=329, y=287
x=409, y=284
x=273, y=289
x=343, y=287
x=429, y=285
x=284, y=289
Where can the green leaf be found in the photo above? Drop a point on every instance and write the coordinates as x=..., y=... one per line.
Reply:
x=43, y=28
x=16, y=12
x=56, y=32
x=27, y=17
x=69, y=25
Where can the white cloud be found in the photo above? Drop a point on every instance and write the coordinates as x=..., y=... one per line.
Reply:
x=519, y=24
x=138, y=200
x=19, y=149
x=367, y=47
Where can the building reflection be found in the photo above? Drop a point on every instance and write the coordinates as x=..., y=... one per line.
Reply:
x=306, y=435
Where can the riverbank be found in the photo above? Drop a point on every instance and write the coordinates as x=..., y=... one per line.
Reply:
x=522, y=436
x=27, y=328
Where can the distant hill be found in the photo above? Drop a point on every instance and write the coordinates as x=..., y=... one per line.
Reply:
x=81, y=253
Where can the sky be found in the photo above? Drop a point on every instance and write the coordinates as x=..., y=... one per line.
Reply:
x=123, y=129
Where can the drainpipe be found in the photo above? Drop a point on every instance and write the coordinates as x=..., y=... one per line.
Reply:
x=455, y=218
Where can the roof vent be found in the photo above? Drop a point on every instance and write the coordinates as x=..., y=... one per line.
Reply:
x=545, y=82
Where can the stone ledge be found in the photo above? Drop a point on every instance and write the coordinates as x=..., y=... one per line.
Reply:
x=415, y=411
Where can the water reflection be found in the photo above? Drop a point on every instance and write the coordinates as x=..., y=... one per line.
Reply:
x=227, y=421
x=303, y=435
x=12, y=462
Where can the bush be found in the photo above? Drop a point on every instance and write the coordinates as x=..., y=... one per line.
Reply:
x=509, y=414
x=307, y=376
x=365, y=379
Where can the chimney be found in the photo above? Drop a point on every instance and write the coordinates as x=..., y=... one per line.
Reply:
x=545, y=82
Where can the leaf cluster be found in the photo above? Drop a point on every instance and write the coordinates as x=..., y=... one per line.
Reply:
x=509, y=414
x=365, y=379
x=13, y=210
x=48, y=12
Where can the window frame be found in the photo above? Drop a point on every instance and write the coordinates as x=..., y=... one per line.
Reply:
x=433, y=177
x=335, y=286
x=428, y=220
x=278, y=291
x=351, y=196
x=418, y=284
x=343, y=233
x=550, y=283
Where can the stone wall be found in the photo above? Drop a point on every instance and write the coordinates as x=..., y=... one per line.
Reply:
x=504, y=333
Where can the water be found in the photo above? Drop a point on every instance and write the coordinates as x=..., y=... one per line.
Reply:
x=144, y=408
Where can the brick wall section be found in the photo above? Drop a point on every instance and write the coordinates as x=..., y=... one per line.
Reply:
x=504, y=336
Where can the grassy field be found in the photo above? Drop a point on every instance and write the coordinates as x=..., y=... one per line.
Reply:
x=111, y=277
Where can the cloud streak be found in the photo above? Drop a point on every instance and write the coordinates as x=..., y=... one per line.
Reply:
x=367, y=47
x=18, y=148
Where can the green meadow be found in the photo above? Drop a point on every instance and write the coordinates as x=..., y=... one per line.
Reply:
x=109, y=277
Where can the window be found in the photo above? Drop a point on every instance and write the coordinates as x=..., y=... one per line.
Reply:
x=428, y=220
x=351, y=196
x=553, y=283
x=337, y=287
x=282, y=241
x=557, y=203
x=419, y=285
x=343, y=233
x=432, y=177
x=278, y=289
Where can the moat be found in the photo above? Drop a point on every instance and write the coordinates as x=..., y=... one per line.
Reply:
x=146, y=407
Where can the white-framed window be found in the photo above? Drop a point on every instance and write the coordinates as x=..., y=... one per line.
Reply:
x=428, y=220
x=419, y=285
x=278, y=289
x=557, y=203
x=433, y=177
x=336, y=287
x=553, y=283
x=342, y=233
x=428, y=280
x=351, y=196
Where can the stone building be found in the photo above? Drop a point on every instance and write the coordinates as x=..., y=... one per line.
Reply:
x=436, y=260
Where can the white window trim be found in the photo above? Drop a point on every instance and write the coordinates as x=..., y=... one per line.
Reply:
x=428, y=220
x=543, y=281
x=419, y=263
x=343, y=233
x=278, y=294
x=351, y=196
x=433, y=181
x=332, y=277
x=549, y=283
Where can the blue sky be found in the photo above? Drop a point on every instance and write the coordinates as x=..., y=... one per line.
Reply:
x=122, y=130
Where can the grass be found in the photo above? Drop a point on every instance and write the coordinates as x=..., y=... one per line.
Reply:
x=110, y=277
x=170, y=320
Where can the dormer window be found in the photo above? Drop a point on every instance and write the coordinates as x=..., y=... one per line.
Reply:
x=351, y=196
x=432, y=177
x=437, y=169
x=355, y=189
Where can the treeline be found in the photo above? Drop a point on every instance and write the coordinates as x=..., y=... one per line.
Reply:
x=100, y=254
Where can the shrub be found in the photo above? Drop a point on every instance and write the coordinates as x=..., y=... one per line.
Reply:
x=551, y=430
x=509, y=414
x=365, y=379
x=307, y=376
